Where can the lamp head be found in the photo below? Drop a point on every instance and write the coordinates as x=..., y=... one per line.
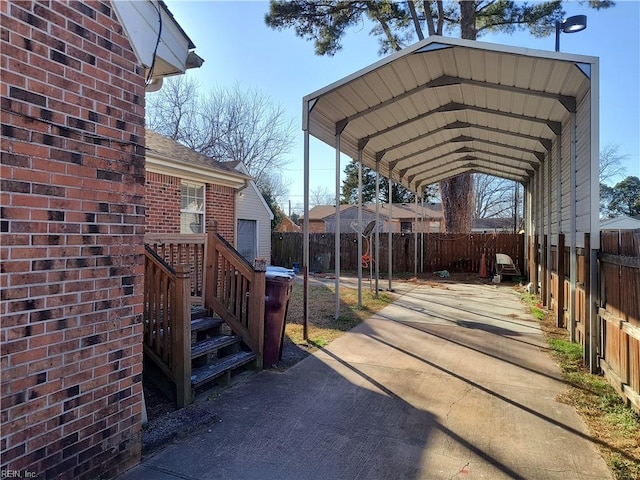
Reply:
x=574, y=24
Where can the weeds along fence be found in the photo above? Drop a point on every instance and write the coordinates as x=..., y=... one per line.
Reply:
x=619, y=312
x=436, y=251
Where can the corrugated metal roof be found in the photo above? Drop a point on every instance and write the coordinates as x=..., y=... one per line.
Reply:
x=443, y=107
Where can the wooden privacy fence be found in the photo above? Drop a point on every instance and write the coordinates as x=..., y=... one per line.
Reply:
x=619, y=312
x=453, y=252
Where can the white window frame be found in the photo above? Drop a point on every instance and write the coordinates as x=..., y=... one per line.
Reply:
x=190, y=209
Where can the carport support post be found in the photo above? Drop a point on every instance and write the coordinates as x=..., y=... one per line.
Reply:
x=422, y=235
x=390, y=233
x=548, y=266
x=415, y=241
x=377, y=229
x=593, y=296
x=339, y=128
x=573, y=266
x=360, y=230
x=305, y=241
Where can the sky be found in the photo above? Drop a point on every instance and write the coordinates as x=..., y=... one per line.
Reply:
x=238, y=47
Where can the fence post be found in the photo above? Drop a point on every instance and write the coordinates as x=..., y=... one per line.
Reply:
x=543, y=261
x=211, y=265
x=181, y=335
x=560, y=282
x=533, y=262
x=256, y=308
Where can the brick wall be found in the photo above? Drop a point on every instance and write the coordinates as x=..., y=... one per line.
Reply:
x=221, y=207
x=163, y=205
x=72, y=248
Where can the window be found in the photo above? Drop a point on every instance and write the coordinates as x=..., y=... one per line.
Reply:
x=405, y=227
x=191, y=208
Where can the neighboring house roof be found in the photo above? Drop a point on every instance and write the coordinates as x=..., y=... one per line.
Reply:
x=620, y=223
x=165, y=155
x=411, y=211
x=398, y=210
x=321, y=212
x=239, y=166
x=288, y=225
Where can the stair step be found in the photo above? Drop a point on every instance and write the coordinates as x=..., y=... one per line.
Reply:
x=212, y=344
x=207, y=373
x=205, y=323
x=198, y=311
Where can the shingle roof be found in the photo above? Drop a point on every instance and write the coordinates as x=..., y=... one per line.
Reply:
x=169, y=148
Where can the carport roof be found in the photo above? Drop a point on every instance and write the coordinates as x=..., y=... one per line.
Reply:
x=445, y=106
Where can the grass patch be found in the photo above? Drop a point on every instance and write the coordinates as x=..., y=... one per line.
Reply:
x=607, y=417
x=323, y=326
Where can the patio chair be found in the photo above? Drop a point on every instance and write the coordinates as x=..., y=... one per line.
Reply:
x=505, y=266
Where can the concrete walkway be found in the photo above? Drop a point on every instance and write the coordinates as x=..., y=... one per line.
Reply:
x=449, y=382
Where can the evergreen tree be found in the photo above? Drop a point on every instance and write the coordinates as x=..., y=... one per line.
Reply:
x=624, y=197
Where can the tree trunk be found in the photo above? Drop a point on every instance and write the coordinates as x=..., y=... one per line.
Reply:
x=457, y=203
x=457, y=192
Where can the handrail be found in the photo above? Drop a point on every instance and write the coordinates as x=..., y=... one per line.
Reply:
x=167, y=321
x=175, y=249
x=235, y=291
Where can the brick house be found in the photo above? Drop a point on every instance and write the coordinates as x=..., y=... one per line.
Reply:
x=73, y=212
x=186, y=189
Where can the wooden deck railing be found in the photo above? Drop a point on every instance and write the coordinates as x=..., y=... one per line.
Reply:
x=183, y=249
x=235, y=291
x=167, y=321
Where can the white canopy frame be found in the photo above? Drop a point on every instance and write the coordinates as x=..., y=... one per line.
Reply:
x=443, y=107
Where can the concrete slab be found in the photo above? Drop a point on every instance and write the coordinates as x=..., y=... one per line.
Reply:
x=445, y=383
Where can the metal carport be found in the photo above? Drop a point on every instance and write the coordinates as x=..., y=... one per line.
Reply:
x=444, y=106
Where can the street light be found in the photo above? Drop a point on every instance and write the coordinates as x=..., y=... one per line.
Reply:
x=577, y=23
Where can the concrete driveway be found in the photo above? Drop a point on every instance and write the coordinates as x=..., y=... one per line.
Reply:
x=449, y=382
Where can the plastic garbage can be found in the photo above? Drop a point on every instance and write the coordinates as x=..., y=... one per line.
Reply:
x=279, y=284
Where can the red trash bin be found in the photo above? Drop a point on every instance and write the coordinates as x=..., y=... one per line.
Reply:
x=279, y=284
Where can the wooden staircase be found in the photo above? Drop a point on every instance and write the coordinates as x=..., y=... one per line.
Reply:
x=216, y=352
x=204, y=307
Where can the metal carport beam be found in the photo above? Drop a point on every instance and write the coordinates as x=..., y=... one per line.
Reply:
x=532, y=165
x=546, y=143
x=459, y=139
x=461, y=170
x=555, y=127
x=469, y=162
x=569, y=103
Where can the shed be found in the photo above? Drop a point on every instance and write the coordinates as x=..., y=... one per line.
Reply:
x=443, y=107
x=253, y=221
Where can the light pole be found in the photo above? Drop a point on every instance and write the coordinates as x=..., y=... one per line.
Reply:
x=577, y=23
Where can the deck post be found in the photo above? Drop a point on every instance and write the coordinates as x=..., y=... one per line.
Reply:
x=181, y=336
x=211, y=266
x=256, y=309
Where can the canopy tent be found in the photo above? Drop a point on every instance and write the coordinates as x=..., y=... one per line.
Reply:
x=443, y=107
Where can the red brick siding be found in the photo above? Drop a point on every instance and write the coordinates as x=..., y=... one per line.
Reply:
x=163, y=205
x=221, y=207
x=73, y=224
